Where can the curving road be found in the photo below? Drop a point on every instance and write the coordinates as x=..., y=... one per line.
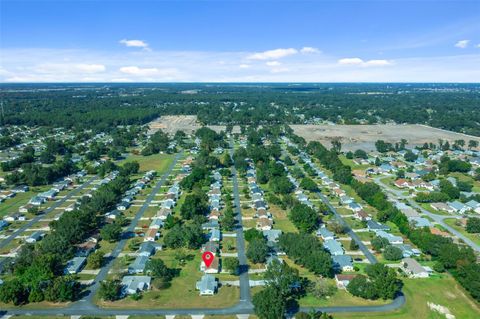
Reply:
x=437, y=218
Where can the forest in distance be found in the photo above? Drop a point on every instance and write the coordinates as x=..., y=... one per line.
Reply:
x=99, y=106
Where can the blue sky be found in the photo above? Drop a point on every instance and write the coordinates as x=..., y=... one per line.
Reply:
x=68, y=41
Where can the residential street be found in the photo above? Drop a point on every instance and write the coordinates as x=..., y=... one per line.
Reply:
x=37, y=218
x=437, y=218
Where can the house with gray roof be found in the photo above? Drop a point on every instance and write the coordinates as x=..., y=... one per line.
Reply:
x=207, y=285
x=334, y=247
x=342, y=263
x=392, y=239
x=74, y=265
x=376, y=226
x=138, y=265
x=148, y=249
x=413, y=269
x=458, y=207
x=419, y=222
x=34, y=237
x=134, y=284
x=407, y=250
x=324, y=233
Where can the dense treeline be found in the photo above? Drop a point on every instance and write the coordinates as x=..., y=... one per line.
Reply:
x=448, y=106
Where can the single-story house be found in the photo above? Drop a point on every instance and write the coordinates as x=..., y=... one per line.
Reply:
x=213, y=269
x=407, y=250
x=342, y=263
x=334, y=247
x=458, y=207
x=343, y=280
x=442, y=207
x=135, y=284
x=156, y=223
x=207, y=285
x=419, y=222
x=376, y=226
x=215, y=235
x=74, y=265
x=34, y=237
x=138, y=265
x=151, y=234
x=414, y=269
x=148, y=249
x=325, y=234
x=212, y=247
x=392, y=239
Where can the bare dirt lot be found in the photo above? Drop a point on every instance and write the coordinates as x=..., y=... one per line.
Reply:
x=187, y=123
x=352, y=137
x=355, y=137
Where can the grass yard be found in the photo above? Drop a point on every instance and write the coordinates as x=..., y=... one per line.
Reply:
x=182, y=293
x=442, y=291
x=157, y=162
x=342, y=297
x=473, y=237
x=11, y=205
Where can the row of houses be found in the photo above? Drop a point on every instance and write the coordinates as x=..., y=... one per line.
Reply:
x=208, y=284
x=264, y=219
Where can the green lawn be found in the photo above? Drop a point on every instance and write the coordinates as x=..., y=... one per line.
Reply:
x=157, y=162
x=182, y=293
x=12, y=205
x=473, y=237
x=442, y=290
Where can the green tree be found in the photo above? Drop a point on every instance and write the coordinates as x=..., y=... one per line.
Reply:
x=378, y=243
x=392, y=253
x=257, y=251
x=231, y=264
x=304, y=217
x=473, y=225
x=111, y=232
x=158, y=269
x=95, y=260
x=269, y=304
x=110, y=290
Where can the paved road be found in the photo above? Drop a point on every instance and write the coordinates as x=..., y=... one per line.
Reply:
x=87, y=308
x=437, y=218
x=371, y=258
x=245, y=296
x=37, y=218
x=102, y=275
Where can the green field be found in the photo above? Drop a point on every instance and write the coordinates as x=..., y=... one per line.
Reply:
x=157, y=162
x=442, y=291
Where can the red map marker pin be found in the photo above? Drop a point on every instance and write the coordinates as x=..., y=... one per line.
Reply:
x=208, y=258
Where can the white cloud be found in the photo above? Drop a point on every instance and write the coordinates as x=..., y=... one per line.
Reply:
x=360, y=62
x=273, y=63
x=67, y=65
x=148, y=72
x=135, y=70
x=350, y=61
x=134, y=43
x=273, y=54
x=309, y=50
x=462, y=44
x=478, y=45
x=70, y=68
x=378, y=63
